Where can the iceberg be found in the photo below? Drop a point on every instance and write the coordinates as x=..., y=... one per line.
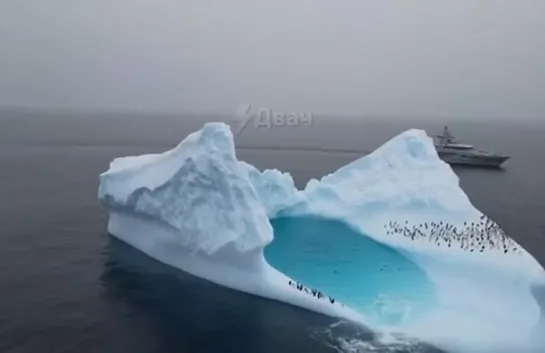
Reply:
x=389, y=241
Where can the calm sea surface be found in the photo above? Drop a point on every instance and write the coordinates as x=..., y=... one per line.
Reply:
x=67, y=286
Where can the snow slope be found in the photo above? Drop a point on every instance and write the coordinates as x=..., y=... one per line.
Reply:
x=198, y=208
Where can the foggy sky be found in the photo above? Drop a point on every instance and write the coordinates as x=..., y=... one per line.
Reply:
x=477, y=58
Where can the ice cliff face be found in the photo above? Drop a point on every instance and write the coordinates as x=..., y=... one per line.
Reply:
x=198, y=208
x=198, y=188
x=404, y=174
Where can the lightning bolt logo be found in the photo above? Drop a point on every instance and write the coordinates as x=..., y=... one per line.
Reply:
x=242, y=117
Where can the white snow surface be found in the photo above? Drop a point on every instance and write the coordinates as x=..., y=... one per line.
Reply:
x=198, y=208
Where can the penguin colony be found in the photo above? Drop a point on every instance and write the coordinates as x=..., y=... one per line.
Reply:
x=485, y=235
x=314, y=292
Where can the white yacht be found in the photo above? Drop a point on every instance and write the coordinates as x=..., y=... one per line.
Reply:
x=452, y=152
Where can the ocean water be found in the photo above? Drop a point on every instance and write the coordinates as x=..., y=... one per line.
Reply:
x=67, y=286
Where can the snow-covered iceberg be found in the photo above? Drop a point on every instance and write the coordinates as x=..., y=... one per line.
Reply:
x=389, y=240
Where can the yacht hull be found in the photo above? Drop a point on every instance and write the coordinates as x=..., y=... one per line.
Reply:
x=469, y=160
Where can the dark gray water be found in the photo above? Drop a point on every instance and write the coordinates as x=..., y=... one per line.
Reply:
x=66, y=286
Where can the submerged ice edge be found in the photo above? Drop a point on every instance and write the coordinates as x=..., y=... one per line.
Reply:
x=217, y=208
x=251, y=273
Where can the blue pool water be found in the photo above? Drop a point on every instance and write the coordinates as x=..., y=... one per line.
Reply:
x=352, y=268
